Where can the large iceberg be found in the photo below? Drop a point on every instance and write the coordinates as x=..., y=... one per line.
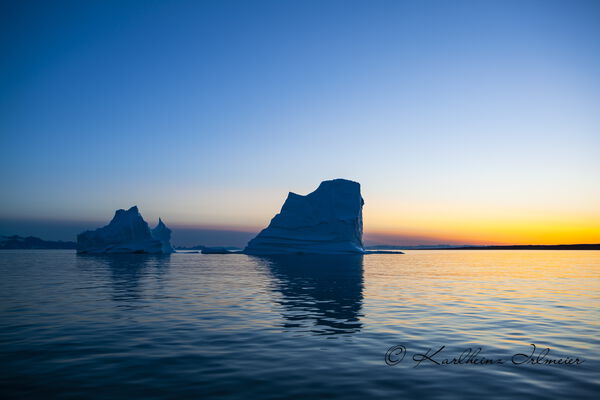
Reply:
x=326, y=221
x=127, y=232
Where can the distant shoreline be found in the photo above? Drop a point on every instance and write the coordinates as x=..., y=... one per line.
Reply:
x=16, y=242
x=510, y=247
x=530, y=247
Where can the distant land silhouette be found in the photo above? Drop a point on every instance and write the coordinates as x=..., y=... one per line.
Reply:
x=16, y=242
x=530, y=247
x=504, y=247
x=408, y=247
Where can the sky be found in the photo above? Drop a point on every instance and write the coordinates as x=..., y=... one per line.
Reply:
x=466, y=122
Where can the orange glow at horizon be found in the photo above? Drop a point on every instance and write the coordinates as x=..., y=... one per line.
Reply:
x=428, y=224
x=487, y=229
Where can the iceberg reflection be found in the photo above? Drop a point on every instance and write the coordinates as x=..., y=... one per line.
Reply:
x=320, y=293
x=129, y=274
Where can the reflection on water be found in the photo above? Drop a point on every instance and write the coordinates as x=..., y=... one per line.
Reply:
x=126, y=271
x=322, y=294
x=236, y=327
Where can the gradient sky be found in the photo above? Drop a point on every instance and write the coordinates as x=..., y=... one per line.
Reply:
x=465, y=122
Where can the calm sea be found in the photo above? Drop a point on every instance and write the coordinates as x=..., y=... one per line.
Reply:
x=240, y=327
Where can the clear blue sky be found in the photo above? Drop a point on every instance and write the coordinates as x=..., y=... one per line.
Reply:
x=208, y=113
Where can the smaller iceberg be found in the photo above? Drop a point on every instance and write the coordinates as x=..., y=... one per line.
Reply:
x=218, y=250
x=162, y=233
x=127, y=232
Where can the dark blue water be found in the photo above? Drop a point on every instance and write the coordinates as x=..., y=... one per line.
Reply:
x=237, y=327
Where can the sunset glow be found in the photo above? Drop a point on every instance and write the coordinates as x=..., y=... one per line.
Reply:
x=481, y=128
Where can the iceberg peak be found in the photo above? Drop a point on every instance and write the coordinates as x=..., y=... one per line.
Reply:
x=131, y=211
x=326, y=221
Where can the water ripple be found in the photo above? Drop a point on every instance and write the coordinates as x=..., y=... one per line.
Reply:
x=236, y=326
